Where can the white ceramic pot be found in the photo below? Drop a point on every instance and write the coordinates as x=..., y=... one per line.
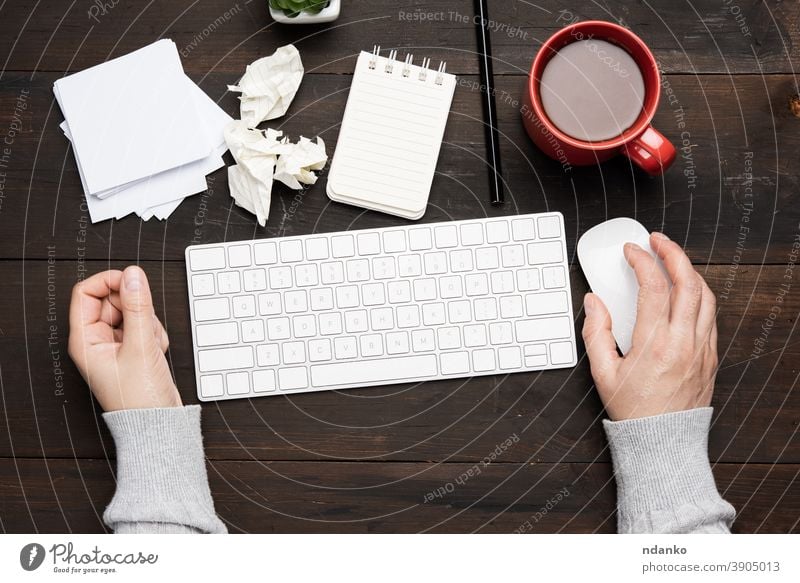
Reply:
x=327, y=14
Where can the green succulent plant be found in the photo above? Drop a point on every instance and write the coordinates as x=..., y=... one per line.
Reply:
x=292, y=8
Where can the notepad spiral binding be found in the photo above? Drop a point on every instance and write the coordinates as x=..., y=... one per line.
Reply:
x=406, y=64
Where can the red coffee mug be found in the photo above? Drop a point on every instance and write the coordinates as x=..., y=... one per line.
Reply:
x=644, y=145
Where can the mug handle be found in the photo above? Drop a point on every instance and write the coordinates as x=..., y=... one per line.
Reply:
x=651, y=151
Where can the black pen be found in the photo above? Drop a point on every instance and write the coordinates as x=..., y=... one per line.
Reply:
x=489, y=105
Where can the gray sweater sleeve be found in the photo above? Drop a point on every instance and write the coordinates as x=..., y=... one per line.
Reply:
x=664, y=479
x=162, y=485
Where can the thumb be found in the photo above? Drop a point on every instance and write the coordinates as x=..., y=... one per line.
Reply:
x=137, y=309
x=601, y=348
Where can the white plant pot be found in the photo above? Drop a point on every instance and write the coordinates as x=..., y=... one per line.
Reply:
x=328, y=14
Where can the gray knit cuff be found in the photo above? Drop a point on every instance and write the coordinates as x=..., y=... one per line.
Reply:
x=664, y=479
x=161, y=472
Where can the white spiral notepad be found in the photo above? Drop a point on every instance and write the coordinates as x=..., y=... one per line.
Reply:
x=391, y=134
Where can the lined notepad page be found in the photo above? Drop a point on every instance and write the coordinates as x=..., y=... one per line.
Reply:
x=391, y=135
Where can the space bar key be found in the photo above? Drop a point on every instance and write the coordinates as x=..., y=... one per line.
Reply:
x=373, y=371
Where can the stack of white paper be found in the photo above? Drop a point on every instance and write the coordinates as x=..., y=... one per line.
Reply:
x=144, y=135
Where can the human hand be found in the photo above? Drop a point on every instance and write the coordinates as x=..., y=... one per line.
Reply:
x=673, y=358
x=118, y=343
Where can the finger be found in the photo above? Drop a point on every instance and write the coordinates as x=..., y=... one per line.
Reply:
x=85, y=304
x=707, y=316
x=110, y=312
x=137, y=309
x=160, y=334
x=687, y=284
x=601, y=348
x=653, y=302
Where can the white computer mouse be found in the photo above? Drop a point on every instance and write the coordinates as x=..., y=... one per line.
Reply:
x=609, y=275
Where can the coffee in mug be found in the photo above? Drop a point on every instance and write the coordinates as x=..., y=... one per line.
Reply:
x=592, y=90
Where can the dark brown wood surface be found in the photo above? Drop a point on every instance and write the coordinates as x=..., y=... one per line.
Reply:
x=366, y=460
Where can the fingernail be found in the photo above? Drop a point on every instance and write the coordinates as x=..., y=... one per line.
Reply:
x=132, y=280
x=588, y=304
x=660, y=236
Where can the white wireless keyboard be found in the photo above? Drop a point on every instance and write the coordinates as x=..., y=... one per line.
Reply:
x=380, y=306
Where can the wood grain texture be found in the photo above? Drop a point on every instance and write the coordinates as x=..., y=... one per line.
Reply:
x=556, y=414
x=69, y=495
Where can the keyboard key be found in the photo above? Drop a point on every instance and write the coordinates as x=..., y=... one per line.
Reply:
x=345, y=348
x=497, y=232
x=211, y=309
x=383, y=268
x=435, y=263
x=397, y=343
x=290, y=379
x=476, y=284
x=561, y=353
x=472, y=234
x=369, y=243
x=207, y=258
x=461, y=260
x=228, y=282
x=459, y=311
x=511, y=307
x=502, y=282
x=542, y=329
x=399, y=291
x=321, y=299
x=434, y=314
x=319, y=350
x=306, y=275
x=382, y=319
x=357, y=270
x=513, y=255
x=254, y=279
x=294, y=352
x=510, y=357
x=373, y=371
x=278, y=329
x=475, y=335
x=252, y=331
x=487, y=258
x=330, y=324
x=547, y=252
x=264, y=381
x=238, y=383
x=454, y=362
x=423, y=340
x=225, y=359
x=373, y=294
x=211, y=386
x=203, y=285
x=449, y=337
x=546, y=303
x=217, y=334
x=554, y=277
x=549, y=227
x=269, y=304
x=239, y=256
x=343, y=246
x=291, y=251
x=419, y=239
x=407, y=316
x=409, y=265
x=347, y=296
x=265, y=253
x=485, y=309
x=356, y=321
x=244, y=306
x=424, y=289
x=394, y=241
x=522, y=229
x=304, y=326
x=371, y=345
x=280, y=277
x=483, y=360
x=446, y=236
x=528, y=279
x=332, y=273
x=451, y=287
x=295, y=301
x=501, y=333
x=268, y=354
x=316, y=248
x=535, y=355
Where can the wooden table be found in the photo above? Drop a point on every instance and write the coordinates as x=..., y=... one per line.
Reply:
x=372, y=460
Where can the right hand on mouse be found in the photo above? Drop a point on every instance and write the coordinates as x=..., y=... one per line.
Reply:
x=118, y=343
x=673, y=359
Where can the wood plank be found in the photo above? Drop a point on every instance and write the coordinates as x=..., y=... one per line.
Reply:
x=731, y=196
x=706, y=36
x=556, y=414
x=224, y=36
x=700, y=201
x=316, y=497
